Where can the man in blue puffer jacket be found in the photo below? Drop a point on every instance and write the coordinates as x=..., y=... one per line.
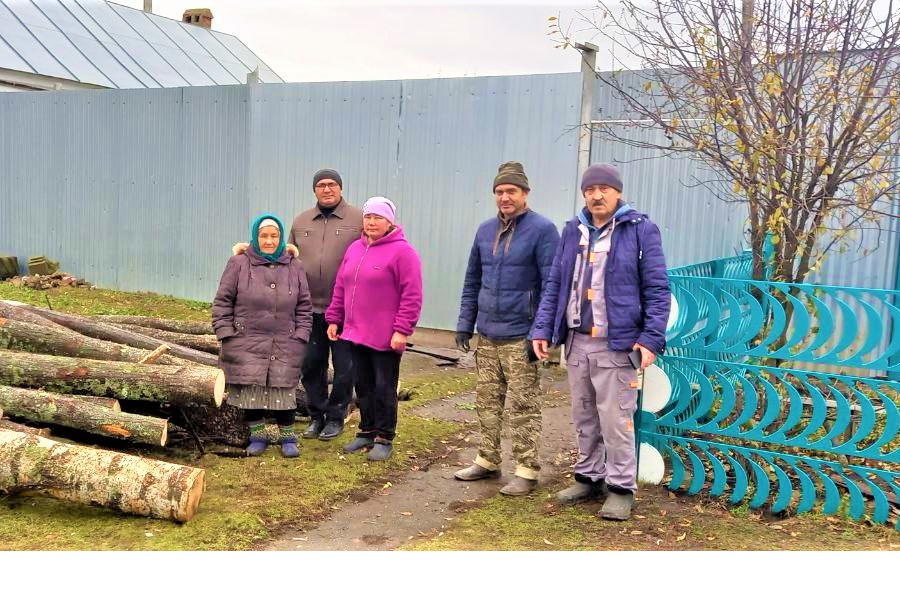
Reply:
x=508, y=265
x=607, y=297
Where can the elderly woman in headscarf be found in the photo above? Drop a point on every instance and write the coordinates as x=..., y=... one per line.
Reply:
x=376, y=304
x=262, y=313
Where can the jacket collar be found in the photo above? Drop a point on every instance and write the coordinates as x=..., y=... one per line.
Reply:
x=584, y=217
x=393, y=236
x=256, y=259
x=516, y=218
x=339, y=210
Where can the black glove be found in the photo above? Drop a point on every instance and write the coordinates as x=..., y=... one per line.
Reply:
x=462, y=340
x=529, y=352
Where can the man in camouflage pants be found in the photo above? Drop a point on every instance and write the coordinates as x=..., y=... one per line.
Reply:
x=508, y=264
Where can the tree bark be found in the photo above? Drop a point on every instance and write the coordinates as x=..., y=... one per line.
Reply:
x=77, y=413
x=131, y=484
x=111, y=333
x=110, y=403
x=126, y=381
x=13, y=426
x=173, y=325
x=37, y=338
x=203, y=343
x=19, y=312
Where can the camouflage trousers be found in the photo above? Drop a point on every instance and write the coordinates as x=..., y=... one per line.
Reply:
x=505, y=373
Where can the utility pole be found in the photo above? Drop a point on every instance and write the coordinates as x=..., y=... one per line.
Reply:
x=588, y=83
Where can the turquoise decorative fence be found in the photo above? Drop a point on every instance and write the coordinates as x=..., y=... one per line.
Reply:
x=764, y=393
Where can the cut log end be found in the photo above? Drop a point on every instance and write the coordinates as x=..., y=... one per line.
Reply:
x=164, y=436
x=196, y=483
x=219, y=389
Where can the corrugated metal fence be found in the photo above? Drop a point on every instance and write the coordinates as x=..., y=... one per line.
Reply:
x=148, y=189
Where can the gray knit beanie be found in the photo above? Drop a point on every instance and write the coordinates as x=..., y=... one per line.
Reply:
x=601, y=174
x=512, y=172
x=327, y=174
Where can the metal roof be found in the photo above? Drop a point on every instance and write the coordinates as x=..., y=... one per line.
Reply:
x=110, y=45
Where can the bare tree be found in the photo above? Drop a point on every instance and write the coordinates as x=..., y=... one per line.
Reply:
x=793, y=102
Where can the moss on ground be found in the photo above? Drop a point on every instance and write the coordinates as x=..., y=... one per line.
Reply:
x=245, y=502
x=99, y=301
x=660, y=521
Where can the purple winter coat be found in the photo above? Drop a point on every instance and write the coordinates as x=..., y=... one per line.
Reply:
x=262, y=314
x=378, y=291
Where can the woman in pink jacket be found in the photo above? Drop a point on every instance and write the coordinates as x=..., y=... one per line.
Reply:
x=376, y=304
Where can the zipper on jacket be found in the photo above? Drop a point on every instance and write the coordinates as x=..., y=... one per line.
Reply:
x=355, y=278
x=324, y=246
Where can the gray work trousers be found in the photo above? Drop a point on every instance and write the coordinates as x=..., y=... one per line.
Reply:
x=603, y=385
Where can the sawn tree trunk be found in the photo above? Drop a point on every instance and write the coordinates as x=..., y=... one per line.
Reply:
x=86, y=415
x=131, y=484
x=126, y=381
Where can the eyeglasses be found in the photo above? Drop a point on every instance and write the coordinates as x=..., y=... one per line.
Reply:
x=327, y=186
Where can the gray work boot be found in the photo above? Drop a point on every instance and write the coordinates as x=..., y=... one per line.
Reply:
x=476, y=472
x=519, y=486
x=580, y=491
x=617, y=506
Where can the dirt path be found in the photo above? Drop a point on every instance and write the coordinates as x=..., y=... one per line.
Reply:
x=425, y=501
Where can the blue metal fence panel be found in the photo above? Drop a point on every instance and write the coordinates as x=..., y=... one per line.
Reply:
x=455, y=135
x=697, y=225
x=148, y=189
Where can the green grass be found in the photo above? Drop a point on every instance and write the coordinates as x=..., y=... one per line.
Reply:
x=660, y=522
x=246, y=501
x=98, y=301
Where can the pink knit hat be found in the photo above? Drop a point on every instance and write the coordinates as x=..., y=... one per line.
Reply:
x=380, y=206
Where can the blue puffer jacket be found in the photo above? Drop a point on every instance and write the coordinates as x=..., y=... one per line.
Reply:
x=636, y=286
x=503, y=287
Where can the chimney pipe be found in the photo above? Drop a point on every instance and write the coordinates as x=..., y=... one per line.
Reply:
x=201, y=17
x=148, y=6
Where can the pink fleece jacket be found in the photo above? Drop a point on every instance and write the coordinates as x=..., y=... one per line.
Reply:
x=378, y=291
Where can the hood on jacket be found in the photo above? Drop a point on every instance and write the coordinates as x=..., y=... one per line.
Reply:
x=395, y=235
x=584, y=216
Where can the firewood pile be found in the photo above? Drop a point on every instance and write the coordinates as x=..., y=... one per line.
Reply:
x=45, y=282
x=124, y=382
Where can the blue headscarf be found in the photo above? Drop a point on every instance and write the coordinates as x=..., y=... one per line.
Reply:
x=254, y=238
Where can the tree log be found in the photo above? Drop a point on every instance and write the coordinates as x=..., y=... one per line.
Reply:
x=131, y=484
x=204, y=343
x=173, y=325
x=32, y=337
x=126, y=381
x=74, y=412
x=20, y=312
x=111, y=333
x=110, y=403
x=13, y=426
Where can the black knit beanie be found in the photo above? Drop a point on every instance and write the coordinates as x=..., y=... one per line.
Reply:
x=327, y=174
x=512, y=172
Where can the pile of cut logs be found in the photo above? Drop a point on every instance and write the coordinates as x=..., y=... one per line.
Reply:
x=134, y=379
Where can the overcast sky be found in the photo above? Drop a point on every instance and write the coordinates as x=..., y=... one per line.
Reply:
x=337, y=40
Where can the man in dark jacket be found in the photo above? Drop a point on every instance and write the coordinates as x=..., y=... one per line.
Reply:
x=323, y=233
x=607, y=297
x=508, y=265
